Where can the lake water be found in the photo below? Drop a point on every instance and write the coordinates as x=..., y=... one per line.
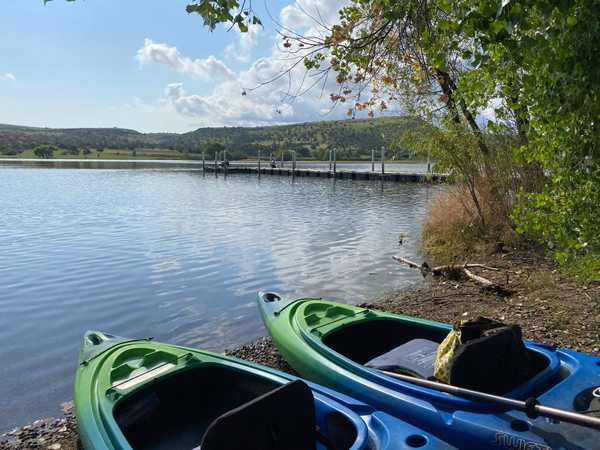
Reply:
x=170, y=253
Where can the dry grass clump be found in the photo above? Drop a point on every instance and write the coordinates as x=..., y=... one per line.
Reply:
x=456, y=228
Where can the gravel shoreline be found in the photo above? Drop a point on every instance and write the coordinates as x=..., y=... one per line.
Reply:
x=549, y=307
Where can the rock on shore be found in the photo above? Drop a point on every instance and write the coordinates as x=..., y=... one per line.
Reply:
x=47, y=433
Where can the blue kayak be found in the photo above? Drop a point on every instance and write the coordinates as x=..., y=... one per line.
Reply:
x=143, y=395
x=336, y=344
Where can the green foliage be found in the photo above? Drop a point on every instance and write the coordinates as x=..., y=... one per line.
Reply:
x=353, y=138
x=45, y=151
x=551, y=49
x=585, y=268
x=213, y=148
x=215, y=12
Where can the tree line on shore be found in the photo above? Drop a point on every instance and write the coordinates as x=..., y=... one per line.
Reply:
x=352, y=139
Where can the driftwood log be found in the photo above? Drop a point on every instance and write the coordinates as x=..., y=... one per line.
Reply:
x=455, y=271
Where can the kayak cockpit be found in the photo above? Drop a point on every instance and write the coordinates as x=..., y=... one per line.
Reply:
x=217, y=406
x=409, y=348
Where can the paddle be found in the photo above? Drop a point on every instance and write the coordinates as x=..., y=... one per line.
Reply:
x=531, y=406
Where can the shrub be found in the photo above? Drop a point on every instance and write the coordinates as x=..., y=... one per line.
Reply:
x=452, y=230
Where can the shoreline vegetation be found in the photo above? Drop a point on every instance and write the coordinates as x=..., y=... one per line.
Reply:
x=549, y=306
x=352, y=140
x=157, y=157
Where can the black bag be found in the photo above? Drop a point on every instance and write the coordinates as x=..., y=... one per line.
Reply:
x=491, y=357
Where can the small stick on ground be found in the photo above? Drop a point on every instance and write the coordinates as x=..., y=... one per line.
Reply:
x=451, y=270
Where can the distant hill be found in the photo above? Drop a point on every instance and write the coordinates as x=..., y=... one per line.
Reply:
x=353, y=139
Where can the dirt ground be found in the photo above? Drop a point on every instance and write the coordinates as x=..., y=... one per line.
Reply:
x=549, y=307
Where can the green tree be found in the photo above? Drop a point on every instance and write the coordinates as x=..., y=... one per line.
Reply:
x=45, y=151
x=544, y=55
x=213, y=147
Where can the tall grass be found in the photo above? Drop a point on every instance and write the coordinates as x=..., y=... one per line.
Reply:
x=476, y=212
x=453, y=229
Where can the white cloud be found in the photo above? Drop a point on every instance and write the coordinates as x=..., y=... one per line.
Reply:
x=241, y=49
x=225, y=104
x=209, y=68
x=7, y=77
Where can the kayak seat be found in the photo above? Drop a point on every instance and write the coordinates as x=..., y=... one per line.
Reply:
x=283, y=419
x=415, y=358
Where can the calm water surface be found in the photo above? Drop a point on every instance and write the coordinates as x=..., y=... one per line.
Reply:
x=176, y=255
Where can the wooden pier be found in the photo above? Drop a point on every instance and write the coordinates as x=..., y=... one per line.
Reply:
x=399, y=177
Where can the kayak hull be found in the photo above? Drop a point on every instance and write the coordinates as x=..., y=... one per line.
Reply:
x=300, y=329
x=118, y=383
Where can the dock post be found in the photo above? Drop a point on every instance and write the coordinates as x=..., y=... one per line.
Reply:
x=373, y=160
x=259, y=162
x=330, y=157
x=383, y=160
x=216, y=166
x=428, y=161
x=282, y=159
x=334, y=162
x=203, y=163
x=294, y=161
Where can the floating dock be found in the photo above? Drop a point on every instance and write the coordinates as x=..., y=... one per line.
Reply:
x=400, y=177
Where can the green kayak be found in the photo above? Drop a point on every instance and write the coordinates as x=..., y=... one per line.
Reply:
x=348, y=348
x=141, y=394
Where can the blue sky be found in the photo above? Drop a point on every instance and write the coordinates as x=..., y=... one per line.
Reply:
x=144, y=64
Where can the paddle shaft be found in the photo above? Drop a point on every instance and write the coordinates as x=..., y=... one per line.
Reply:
x=546, y=411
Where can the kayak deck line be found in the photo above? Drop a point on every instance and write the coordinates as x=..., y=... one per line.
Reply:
x=364, y=311
x=144, y=376
x=286, y=305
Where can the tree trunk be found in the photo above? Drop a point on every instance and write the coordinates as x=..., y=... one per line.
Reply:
x=451, y=86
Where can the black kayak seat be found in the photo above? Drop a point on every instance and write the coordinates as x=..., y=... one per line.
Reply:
x=415, y=358
x=282, y=419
